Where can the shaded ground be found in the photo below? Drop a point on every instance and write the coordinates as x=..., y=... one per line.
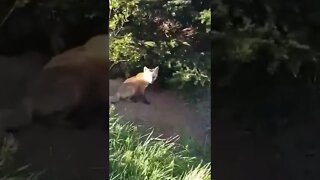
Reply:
x=236, y=152
x=299, y=149
x=293, y=154
x=65, y=154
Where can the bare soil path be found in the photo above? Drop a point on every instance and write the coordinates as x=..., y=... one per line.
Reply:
x=167, y=113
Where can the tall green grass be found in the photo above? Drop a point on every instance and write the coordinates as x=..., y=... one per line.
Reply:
x=137, y=156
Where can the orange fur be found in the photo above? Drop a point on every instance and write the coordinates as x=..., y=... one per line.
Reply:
x=72, y=79
x=134, y=86
x=137, y=82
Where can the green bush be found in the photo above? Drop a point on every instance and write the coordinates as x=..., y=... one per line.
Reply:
x=162, y=33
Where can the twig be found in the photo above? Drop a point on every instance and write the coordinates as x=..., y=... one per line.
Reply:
x=117, y=63
x=9, y=13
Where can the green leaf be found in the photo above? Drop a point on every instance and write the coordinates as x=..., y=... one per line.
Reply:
x=150, y=43
x=186, y=43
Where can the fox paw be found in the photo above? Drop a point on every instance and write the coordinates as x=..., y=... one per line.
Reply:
x=146, y=102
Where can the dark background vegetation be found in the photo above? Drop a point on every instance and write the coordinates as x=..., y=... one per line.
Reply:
x=50, y=26
x=268, y=51
x=266, y=74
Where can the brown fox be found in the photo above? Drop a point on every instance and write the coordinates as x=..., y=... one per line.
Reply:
x=134, y=87
x=75, y=79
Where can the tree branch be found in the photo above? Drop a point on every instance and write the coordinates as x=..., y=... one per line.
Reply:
x=117, y=62
x=9, y=13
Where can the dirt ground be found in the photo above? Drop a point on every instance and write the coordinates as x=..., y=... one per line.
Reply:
x=167, y=113
x=65, y=154
x=290, y=155
x=237, y=156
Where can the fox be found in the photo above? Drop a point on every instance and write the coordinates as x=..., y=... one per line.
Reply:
x=134, y=87
x=70, y=83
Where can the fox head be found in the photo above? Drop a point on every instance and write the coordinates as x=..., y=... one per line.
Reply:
x=150, y=75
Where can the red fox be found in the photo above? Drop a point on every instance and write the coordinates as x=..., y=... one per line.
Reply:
x=74, y=79
x=134, y=87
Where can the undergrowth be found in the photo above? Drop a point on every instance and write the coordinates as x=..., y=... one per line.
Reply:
x=141, y=156
x=8, y=168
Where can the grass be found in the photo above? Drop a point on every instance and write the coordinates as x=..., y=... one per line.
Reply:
x=8, y=169
x=137, y=156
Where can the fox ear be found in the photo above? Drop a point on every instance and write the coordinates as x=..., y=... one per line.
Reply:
x=156, y=69
x=145, y=69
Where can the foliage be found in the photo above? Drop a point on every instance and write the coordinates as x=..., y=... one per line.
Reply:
x=58, y=25
x=247, y=31
x=266, y=57
x=122, y=46
x=136, y=156
x=205, y=18
x=166, y=34
x=8, y=170
x=60, y=9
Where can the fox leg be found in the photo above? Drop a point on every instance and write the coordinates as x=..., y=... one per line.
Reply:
x=134, y=99
x=140, y=97
x=144, y=99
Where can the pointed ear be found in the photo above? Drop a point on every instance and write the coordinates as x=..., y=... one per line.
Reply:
x=156, y=69
x=145, y=69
